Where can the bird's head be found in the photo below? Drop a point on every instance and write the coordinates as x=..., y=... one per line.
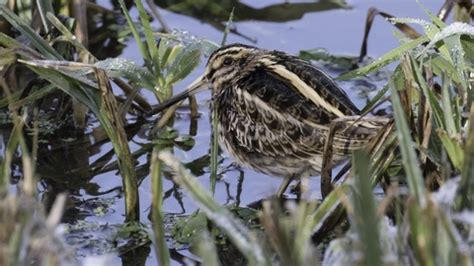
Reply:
x=223, y=65
x=228, y=62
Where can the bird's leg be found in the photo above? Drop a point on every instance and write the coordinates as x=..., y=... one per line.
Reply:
x=284, y=185
x=296, y=189
x=301, y=187
x=326, y=177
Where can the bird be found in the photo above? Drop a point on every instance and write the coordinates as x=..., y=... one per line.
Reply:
x=274, y=111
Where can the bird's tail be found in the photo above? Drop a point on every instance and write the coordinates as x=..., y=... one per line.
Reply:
x=351, y=133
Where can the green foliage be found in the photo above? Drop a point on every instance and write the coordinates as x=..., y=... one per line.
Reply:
x=365, y=217
x=166, y=62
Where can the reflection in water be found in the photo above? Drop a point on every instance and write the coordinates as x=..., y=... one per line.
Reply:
x=136, y=257
x=216, y=13
x=177, y=195
x=239, y=188
x=199, y=167
x=65, y=165
x=106, y=33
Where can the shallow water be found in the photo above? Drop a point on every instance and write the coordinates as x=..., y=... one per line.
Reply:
x=337, y=28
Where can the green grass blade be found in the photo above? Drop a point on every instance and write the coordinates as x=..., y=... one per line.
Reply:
x=302, y=247
x=8, y=155
x=409, y=158
x=164, y=52
x=227, y=27
x=441, y=65
x=149, y=37
x=38, y=42
x=75, y=70
x=438, y=22
x=456, y=28
x=453, y=148
x=161, y=249
x=206, y=249
x=465, y=195
x=327, y=207
x=447, y=107
x=141, y=45
x=456, y=51
x=468, y=47
x=366, y=219
x=8, y=42
x=422, y=232
x=419, y=78
x=45, y=7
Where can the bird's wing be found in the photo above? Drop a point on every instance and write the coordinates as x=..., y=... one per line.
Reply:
x=303, y=75
x=266, y=117
x=303, y=93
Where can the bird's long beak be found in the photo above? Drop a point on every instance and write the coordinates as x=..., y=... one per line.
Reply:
x=196, y=86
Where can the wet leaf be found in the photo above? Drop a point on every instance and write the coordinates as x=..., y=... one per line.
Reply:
x=121, y=67
x=182, y=65
x=190, y=227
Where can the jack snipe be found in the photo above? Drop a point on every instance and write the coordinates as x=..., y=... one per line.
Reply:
x=275, y=111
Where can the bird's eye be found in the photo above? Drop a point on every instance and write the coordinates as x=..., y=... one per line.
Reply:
x=228, y=61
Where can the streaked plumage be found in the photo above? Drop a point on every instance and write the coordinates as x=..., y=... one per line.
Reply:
x=274, y=110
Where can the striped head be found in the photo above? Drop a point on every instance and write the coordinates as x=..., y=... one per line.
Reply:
x=228, y=62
